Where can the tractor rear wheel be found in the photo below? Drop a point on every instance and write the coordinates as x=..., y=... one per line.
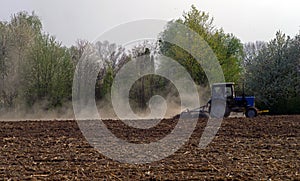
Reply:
x=227, y=112
x=251, y=112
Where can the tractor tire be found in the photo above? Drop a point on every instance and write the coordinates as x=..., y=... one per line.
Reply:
x=227, y=112
x=251, y=112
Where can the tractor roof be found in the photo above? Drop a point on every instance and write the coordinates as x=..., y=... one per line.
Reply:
x=224, y=83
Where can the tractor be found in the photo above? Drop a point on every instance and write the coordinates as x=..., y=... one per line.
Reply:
x=223, y=102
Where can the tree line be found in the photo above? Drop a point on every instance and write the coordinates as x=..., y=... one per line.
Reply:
x=36, y=67
x=272, y=73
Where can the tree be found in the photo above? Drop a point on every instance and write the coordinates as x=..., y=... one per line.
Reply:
x=112, y=58
x=3, y=54
x=226, y=47
x=251, y=51
x=78, y=50
x=16, y=38
x=141, y=91
x=3, y=60
x=229, y=51
x=49, y=73
x=107, y=82
x=272, y=76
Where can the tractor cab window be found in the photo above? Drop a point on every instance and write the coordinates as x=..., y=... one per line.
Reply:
x=228, y=92
x=223, y=91
x=218, y=92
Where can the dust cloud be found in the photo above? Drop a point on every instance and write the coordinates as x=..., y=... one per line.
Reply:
x=106, y=111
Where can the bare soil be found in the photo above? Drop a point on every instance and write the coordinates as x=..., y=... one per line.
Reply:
x=263, y=148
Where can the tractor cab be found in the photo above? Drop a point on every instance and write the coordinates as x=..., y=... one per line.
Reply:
x=223, y=90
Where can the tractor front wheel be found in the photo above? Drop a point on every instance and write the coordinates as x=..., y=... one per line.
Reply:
x=251, y=112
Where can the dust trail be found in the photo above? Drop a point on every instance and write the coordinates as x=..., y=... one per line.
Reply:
x=173, y=103
x=39, y=112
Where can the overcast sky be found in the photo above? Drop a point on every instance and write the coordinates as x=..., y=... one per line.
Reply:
x=69, y=20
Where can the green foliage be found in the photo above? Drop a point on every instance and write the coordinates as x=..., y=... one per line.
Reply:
x=107, y=82
x=229, y=51
x=112, y=58
x=3, y=51
x=33, y=66
x=16, y=38
x=142, y=89
x=23, y=19
x=227, y=48
x=273, y=75
x=49, y=72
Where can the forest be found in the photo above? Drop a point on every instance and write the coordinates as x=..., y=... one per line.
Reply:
x=35, y=67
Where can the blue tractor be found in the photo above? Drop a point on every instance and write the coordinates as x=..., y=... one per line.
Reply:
x=224, y=101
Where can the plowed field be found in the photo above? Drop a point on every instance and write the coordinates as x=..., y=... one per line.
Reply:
x=263, y=148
